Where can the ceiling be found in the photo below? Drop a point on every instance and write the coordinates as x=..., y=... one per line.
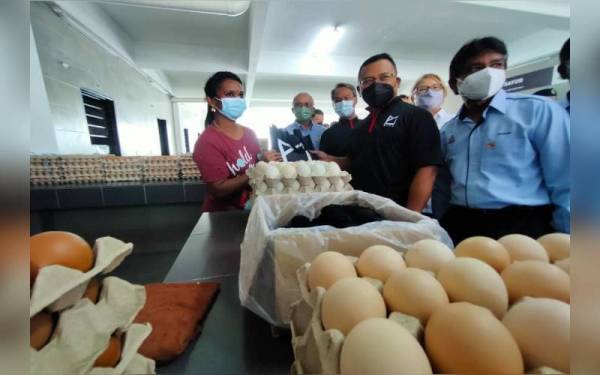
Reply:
x=269, y=43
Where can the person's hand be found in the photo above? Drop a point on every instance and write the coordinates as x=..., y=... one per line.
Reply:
x=272, y=156
x=321, y=155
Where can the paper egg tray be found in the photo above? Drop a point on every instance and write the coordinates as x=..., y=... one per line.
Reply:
x=84, y=328
x=266, y=186
x=316, y=350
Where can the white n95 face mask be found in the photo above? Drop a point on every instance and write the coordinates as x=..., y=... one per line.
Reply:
x=482, y=84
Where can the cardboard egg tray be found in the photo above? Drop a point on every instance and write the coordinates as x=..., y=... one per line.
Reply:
x=84, y=328
x=316, y=350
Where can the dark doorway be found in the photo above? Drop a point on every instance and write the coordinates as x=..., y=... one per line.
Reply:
x=186, y=138
x=164, y=139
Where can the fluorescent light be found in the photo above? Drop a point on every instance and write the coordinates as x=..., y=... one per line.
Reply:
x=326, y=40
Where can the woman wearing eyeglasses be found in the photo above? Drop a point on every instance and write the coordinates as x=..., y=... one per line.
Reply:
x=429, y=93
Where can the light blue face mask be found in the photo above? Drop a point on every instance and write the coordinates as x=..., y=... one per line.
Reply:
x=430, y=100
x=232, y=108
x=345, y=108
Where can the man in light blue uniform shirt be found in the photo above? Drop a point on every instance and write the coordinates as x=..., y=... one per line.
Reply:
x=564, y=70
x=508, y=154
x=303, y=109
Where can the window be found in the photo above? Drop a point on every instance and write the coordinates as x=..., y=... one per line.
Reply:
x=102, y=125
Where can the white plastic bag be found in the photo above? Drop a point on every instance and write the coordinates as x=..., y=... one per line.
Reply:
x=271, y=254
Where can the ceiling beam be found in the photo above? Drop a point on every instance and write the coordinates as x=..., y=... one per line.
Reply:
x=256, y=25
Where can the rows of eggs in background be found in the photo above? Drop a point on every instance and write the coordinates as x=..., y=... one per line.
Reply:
x=300, y=176
x=488, y=306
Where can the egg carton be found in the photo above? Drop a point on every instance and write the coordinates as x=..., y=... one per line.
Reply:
x=75, y=343
x=161, y=178
x=317, y=350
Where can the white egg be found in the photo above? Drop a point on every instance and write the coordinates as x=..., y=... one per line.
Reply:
x=302, y=169
x=272, y=172
x=317, y=170
x=333, y=169
x=288, y=171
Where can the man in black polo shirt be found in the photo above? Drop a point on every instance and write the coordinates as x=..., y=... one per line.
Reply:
x=396, y=150
x=335, y=141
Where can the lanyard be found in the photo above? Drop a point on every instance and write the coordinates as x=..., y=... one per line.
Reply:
x=372, y=122
x=351, y=123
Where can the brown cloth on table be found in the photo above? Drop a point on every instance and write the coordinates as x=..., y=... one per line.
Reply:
x=175, y=312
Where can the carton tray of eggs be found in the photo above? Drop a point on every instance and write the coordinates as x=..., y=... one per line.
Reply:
x=189, y=169
x=77, y=323
x=298, y=177
x=493, y=307
x=161, y=168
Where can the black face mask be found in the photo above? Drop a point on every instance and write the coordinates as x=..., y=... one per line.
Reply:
x=378, y=94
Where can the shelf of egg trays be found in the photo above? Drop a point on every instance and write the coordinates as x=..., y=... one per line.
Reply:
x=188, y=167
x=123, y=169
x=44, y=170
x=64, y=301
x=476, y=320
x=161, y=168
x=298, y=177
x=81, y=169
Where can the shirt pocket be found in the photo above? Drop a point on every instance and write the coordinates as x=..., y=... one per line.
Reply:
x=504, y=153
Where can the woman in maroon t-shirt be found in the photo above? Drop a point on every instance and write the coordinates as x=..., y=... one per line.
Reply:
x=225, y=150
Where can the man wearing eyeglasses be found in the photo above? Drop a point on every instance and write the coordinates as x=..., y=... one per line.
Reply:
x=395, y=151
x=508, y=154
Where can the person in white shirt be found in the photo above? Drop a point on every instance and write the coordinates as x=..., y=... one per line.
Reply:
x=429, y=93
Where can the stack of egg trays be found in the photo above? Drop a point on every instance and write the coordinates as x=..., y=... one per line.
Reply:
x=124, y=168
x=161, y=168
x=44, y=171
x=82, y=169
x=189, y=169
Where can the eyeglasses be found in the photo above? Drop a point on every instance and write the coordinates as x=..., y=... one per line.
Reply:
x=383, y=77
x=423, y=89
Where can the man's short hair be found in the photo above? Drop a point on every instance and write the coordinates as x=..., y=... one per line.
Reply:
x=380, y=56
x=565, y=56
x=340, y=85
x=471, y=50
x=546, y=92
x=318, y=112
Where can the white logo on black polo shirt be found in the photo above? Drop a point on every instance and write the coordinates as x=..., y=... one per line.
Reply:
x=391, y=121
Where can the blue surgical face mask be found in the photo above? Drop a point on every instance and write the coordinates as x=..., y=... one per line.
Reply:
x=430, y=100
x=232, y=108
x=345, y=108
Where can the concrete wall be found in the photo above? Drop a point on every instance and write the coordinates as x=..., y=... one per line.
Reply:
x=138, y=104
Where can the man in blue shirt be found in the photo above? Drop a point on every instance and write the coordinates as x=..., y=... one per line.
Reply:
x=508, y=154
x=303, y=109
x=564, y=70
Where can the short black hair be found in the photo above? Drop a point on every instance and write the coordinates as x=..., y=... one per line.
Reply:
x=565, y=57
x=340, y=85
x=212, y=86
x=317, y=112
x=545, y=92
x=473, y=49
x=402, y=96
x=374, y=58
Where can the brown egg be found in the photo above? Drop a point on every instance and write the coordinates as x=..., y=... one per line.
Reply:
x=414, y=292
x=471, y=280
x=380, y=346
x=564, y=264
x=40, y=330
x=462, y=338
x=533, y=278
x=350, y=301
x=485, y=249
x=541, y=327
x=428, y=255
x=521, y=247
x=92, y=290
x=557, y=245
x=63, y=248
x=111, y=355
x=379, y=262
x=329, y=267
